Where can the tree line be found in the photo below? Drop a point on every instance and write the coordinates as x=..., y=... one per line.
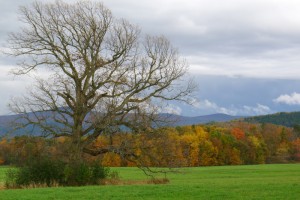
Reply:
x=290, y=119
x=233, y=143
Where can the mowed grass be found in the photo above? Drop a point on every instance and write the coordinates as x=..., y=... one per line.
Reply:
x=225, y=182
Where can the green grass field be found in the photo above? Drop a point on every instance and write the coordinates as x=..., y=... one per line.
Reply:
x=226, y=182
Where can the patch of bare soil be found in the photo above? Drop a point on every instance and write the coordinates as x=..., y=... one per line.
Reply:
x=134, y=182
x=110, y=181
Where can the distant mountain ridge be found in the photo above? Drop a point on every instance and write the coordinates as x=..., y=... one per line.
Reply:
x=288, y=119
x=179, y=120
x=171, y=120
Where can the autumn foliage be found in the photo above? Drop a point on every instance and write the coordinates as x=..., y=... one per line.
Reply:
x=232, y=143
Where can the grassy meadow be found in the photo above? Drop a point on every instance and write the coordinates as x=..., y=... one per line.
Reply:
x=278, y=181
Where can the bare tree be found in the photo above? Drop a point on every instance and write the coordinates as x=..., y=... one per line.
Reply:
x=103, y=74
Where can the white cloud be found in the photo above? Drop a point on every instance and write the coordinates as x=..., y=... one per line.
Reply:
x=259, y=109
x=292, y=99
x=172, y=109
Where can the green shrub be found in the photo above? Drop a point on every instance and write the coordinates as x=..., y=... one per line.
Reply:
x=11, y=176
x=36, y=172
x=84, y=174
x=98, y=173
x=47, y=172
x=77, y=174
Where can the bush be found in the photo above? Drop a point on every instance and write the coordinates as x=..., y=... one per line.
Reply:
x=46, y=172
x=83, y=174
x=11, y=176
x=98, y=173
x=38, y=172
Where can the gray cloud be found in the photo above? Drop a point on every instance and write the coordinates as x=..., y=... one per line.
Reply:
x=233, y=38
x=250, y=38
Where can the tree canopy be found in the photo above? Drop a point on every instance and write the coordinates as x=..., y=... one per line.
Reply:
x=103, y=74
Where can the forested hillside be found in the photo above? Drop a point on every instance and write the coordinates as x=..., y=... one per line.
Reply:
x=232, y=143
x=289, y=119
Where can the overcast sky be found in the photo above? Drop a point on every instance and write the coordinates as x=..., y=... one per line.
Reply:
x=245, y=54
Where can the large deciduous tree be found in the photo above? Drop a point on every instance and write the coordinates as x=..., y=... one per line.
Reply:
x=102, y=74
